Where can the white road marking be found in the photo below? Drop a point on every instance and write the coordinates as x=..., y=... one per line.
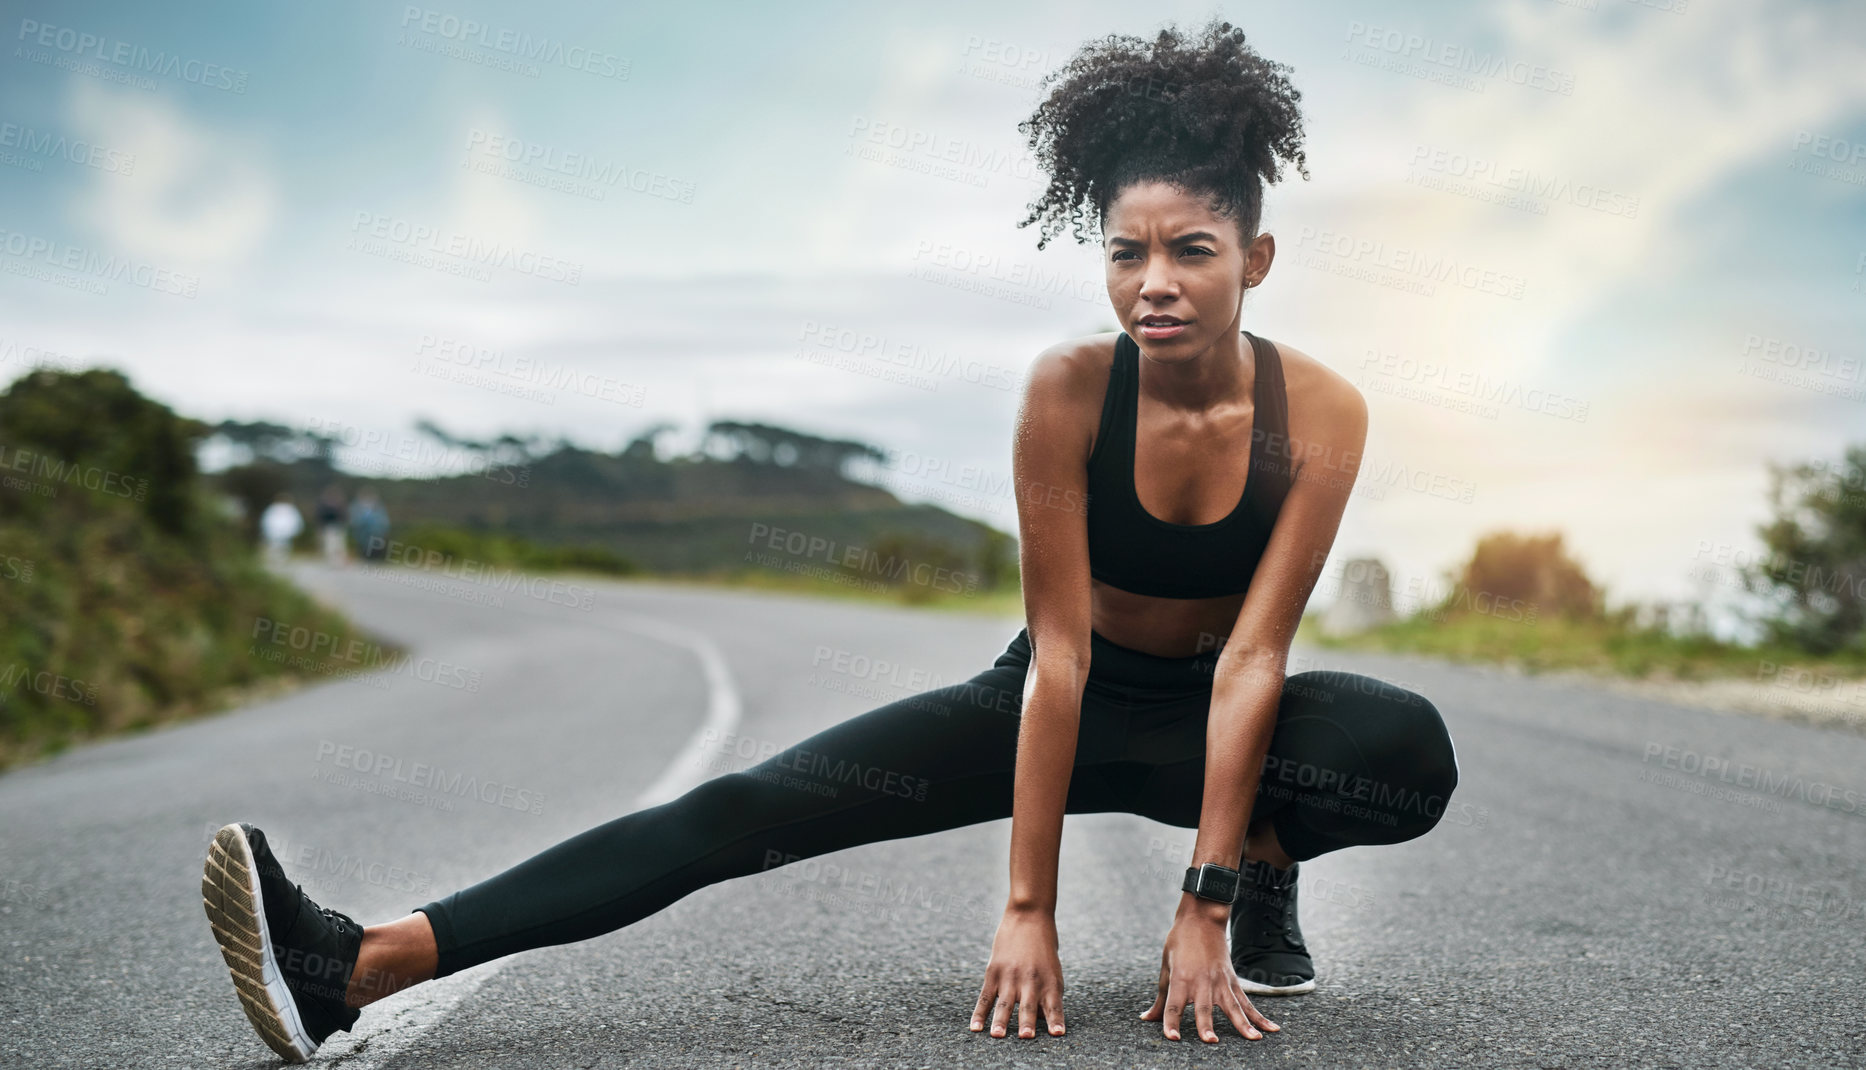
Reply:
x=723, y=710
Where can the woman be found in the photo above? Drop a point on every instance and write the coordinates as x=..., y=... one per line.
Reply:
x=1149, y=677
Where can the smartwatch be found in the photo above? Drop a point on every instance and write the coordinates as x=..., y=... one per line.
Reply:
x=1211, y=881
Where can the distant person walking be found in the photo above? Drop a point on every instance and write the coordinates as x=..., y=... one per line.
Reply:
x=279, y=525
x=332, y=513
x=369, y=521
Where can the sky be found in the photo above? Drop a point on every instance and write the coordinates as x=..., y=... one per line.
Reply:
x=1594, y=265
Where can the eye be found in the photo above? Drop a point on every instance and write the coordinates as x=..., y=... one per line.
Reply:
x=1120, y=252
x=1200, y=249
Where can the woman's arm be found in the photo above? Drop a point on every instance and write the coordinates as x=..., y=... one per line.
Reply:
x=1049, y=458
x=1248, y=680
x=1248, y=686
x=1049, y=462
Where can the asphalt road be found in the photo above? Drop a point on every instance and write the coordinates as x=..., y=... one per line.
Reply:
x=1601, y=894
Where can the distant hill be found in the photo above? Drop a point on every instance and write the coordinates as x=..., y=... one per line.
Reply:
x=698, y=513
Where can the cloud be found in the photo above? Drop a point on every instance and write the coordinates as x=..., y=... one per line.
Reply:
x=1692, y=114
x=489, y=207
x=1665, y=109
x=197, y=194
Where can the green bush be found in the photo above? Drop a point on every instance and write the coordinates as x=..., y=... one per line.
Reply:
x=1521, y=575
x=126, y=599
x=1814, y=574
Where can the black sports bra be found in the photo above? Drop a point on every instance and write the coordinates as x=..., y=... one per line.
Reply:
x=1134, y=550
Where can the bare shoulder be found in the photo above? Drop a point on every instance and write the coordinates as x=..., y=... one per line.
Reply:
x=1075, y=366
x=1064, y=391
x=1323, y=403
x=1327, y=416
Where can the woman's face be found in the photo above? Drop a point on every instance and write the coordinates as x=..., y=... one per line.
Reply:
x=1176, y=269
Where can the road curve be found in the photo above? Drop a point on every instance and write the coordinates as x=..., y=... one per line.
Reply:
x=1619, y=879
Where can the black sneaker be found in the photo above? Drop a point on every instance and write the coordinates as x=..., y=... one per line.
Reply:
x=1266, y=942
x=290, y=958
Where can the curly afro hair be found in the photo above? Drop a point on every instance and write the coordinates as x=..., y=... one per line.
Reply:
x=1209, y=116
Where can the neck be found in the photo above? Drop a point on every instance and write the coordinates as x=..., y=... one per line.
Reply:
x=1208, y=377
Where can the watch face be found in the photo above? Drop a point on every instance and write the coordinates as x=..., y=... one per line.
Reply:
x=1211, y=881
x=1225, y=886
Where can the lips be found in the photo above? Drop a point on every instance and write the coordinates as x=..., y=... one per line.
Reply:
x=1158, y=327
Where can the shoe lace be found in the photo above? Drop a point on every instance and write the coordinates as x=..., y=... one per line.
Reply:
x=1288, y=932
x=1270, y=919
x=336, y=917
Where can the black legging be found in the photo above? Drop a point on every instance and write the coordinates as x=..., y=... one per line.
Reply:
x=1354, y=760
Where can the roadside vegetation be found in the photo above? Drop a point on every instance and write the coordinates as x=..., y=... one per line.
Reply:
x=131, y=592
x=1521, y=600
x=127, y=598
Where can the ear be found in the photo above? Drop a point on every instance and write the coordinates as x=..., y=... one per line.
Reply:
x=1258, y=256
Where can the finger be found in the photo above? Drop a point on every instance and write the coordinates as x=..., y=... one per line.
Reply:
x=1152, y=1014
x=1001, y=1016
x=1175, y=1009
x=1027, y=1011
x=1233, y=1003
x=1202, y=1012
x=1256, y=1016
x=983, y=1006
x=1053, y=1010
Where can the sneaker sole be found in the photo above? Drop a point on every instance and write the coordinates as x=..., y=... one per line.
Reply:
x=230, y=894
x=1258, y=988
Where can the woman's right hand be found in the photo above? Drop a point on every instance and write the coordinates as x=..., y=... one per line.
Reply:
x=1024, y=970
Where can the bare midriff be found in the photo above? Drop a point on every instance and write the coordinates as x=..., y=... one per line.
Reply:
x=1168, y=627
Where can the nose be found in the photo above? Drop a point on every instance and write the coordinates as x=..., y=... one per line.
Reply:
x=1157, y=283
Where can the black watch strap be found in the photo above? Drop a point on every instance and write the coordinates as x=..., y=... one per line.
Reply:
x=1212, y=881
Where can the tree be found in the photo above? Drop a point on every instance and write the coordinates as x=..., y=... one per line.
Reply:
x=641, y=448
x=254, y=486
x=277, y=443
x=1522, y=577
x=507, y=449
x=1814, y=575
x=767, y=444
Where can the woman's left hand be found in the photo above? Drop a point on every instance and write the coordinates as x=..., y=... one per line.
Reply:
x=1195, y=967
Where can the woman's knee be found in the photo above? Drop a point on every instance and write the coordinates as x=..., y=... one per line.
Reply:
x=1420, y=756
x=1409, y=766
